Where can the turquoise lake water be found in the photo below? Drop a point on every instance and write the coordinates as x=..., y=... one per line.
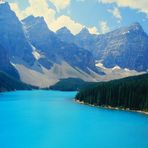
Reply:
x=51, y=119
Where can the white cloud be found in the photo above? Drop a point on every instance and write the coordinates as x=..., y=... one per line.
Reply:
x=60, y=4
x=93, y=30
x=74, y=27
x=66, y=21
x=116, y=13
x=104, y=27
x=141, y=5
x=80, y=0
x=36, y=8
x=15, y=7
x=41, y=8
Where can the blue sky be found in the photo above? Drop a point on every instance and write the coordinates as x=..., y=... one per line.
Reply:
x=99, y=16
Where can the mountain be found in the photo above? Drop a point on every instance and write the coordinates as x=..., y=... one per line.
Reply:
x=54, y=49
x=36, y=55
x=12, y=36
x=65, y=35
x=8, y=83
x=29, y=51
x=57, y=59
x=83, y=39
x=126, y=47
x=84, y=34
x=128, y=93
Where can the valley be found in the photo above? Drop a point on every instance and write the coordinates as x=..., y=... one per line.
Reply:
x=35, y=55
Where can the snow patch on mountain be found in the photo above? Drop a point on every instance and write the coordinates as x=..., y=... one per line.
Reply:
x=99, y=65
x=116, y=68
x=36, y=54
x=116, y=72
x=126, y=32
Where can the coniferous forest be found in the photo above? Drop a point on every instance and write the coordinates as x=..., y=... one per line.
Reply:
x=128, y=93
x=8, y=83
x=69, y=84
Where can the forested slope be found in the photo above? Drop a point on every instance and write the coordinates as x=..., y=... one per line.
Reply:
x=8, y=83
x=69, y=84
x=131, y=93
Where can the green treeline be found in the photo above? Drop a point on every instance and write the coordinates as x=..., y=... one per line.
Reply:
x=8, y=83
x=131, y=93
x=69, y=84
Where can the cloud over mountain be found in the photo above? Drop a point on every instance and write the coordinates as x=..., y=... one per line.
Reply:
x=141, y=5
x=116, y=13
x=60, y=4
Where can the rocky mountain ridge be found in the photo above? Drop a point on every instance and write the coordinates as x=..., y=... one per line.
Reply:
x=126, y=47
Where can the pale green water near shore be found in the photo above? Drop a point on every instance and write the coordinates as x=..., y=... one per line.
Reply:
x=51, y=119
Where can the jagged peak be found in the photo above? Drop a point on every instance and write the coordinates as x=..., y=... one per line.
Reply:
x=132, y=28
x=83, y=33
x=136, y=26
x=32, y=18
x=6, y=12
x=64, y=30
x=4, y=5
x=3, y=2
x=84, y=30
x=36, y=22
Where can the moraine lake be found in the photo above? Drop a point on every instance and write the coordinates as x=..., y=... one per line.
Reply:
x=51, y=119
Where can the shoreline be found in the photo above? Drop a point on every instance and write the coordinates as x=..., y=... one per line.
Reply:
x=112, y=108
